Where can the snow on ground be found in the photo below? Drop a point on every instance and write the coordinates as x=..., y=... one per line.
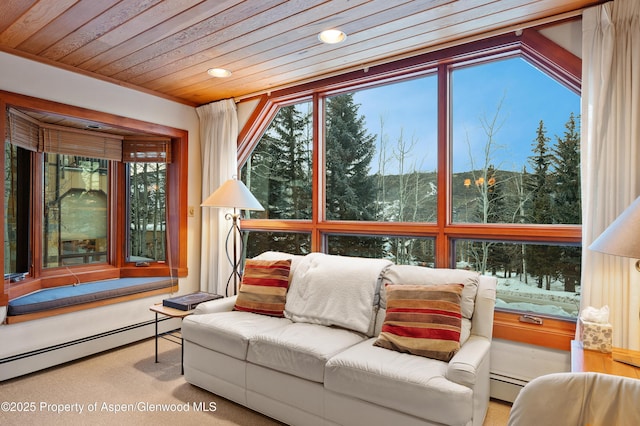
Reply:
x=515, y=294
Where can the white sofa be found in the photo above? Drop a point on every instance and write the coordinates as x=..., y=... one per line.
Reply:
x=319, y=365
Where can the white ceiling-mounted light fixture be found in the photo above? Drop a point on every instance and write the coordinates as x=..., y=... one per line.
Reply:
x=332, y=36
x=218, y=72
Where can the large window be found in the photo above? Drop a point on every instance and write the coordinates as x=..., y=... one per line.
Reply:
x=464, y=158
x=279, y=170
x=381, y=153
x=516, y=160
x=82, y=204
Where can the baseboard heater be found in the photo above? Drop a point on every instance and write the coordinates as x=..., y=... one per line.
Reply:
x=39, y=359
x=505, y=388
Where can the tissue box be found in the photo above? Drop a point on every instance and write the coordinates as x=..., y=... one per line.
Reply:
x=595, y=336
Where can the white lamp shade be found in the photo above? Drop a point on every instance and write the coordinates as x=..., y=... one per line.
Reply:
x=621, y=238
x=233, y=194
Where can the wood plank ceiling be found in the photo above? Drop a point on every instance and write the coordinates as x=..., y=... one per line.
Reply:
x=166, y=47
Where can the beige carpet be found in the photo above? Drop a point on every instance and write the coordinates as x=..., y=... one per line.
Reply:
x=126, y=386
x=119, y=380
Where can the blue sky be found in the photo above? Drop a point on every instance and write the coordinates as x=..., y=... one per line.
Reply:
x=526, y=96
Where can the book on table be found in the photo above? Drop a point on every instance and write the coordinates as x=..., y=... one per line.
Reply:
x=187, y=302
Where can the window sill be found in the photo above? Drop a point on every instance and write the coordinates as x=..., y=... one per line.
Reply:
x=61, y=300
x=552, y=333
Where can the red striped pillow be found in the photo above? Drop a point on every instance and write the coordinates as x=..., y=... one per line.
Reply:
x=264, y=285
x=423, y=320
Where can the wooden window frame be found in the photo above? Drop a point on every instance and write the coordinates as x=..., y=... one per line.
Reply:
x=116, y=266
x=554, y=60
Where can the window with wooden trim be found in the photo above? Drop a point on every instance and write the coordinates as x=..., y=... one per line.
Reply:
x=466, y=157
x=84, y=204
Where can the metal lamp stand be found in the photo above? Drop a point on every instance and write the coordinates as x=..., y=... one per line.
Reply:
x=234, y=232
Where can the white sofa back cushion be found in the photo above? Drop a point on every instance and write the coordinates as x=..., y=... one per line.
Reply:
x=335, y=290
x=279, y=255
x=420, y=275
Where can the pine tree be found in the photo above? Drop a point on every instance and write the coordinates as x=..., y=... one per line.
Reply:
x=279, y=175
x=289, y=180
x=350, y=188
x=566, y=162
x=279, y=172
x=349, y=150
x=540, y=259
x=567, y=205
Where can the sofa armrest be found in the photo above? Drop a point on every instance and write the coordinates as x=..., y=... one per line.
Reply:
x=482, y=320
x=218, y=305
x=465, y=364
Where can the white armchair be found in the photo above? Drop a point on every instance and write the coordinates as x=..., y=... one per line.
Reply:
x=577, y=399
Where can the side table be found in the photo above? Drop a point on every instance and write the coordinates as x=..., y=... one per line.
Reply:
x=159, y=309
x=587, y=360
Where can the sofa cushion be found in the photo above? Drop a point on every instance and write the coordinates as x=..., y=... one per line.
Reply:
x=279, y=255
x=300, y=349
x=335, y=290
x=228, y=332
x=422, y=320
x=263, y=289
x=399, y=381
x=420, y=275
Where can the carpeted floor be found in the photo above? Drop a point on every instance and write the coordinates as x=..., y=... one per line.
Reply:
x=126, y=386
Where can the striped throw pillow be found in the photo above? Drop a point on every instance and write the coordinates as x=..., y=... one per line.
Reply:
x=264, y=285
x=423, y=320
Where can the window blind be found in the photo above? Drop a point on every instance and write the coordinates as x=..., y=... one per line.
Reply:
x=146, y=149
x=34, y=135
x=22, y=130
x=66, y=140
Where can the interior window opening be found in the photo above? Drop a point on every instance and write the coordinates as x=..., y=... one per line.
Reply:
x=543, y=279
x=381, y=153
x=436, y=169
x=75, y=210
x=399, y=249
x=279, y=170
x=88, y=201
x=515, y=145
x=257, y=242
x=147, y=212
x=17, y=235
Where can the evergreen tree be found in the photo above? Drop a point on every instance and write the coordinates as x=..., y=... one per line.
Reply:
x=350, y=188
x=566, y=176
x=567, y=205
x=349, y=150
x=279, y=175
x=289, y=180
x=540, y=259
x=540, y=182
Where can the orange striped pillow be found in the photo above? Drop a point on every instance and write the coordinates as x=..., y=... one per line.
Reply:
x=423, y=320
x=264, y=285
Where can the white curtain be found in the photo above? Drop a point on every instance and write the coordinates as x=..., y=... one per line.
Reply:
x=611, y=157
x=218, y=139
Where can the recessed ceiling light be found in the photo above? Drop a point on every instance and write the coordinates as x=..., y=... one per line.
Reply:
x=332, y=36
x=218, y=72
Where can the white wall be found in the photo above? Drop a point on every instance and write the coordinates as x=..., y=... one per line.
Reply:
x=26, y=77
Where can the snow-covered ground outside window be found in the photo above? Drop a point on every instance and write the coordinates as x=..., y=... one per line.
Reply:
x=513, y=294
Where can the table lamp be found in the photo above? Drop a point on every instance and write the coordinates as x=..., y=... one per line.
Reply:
x=621, y=238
